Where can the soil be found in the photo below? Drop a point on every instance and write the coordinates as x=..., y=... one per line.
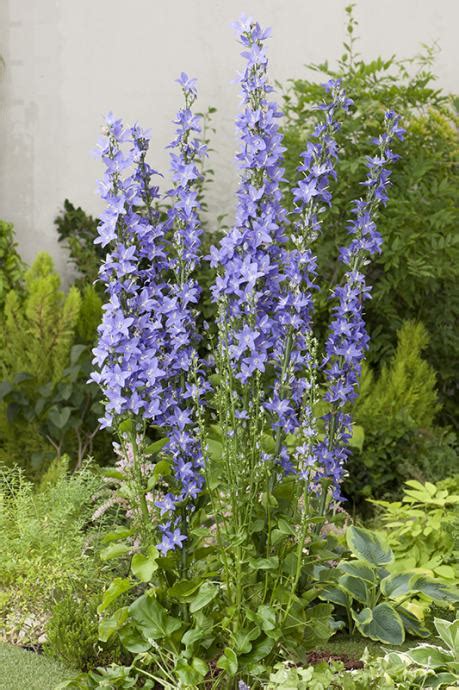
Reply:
x=348, y=662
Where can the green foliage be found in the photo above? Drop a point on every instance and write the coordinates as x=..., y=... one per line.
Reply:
x=397, y=411
x=72, y=633
x=372, y=596
x=46, y=405
x=78, y=230
x=441, y=661
x=390, y=671
x=416, y=276
x=11, y=265
x=423, y=529
x=38, y=327
x=48, y=544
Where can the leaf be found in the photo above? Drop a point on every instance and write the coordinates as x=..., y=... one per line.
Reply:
x=382, y=623
x=334, y=595
x=109, y=626
x=430, y=655
x=228, y=661
x=116, y=534
x=133, y=640
x=155, y=447
x=359, y=569
x=397, y=585
x=356, y=587
x=214, y=449
x=271, y=563
x=369, y=546
x=412, y=624
x=358, y=437
x=142, y=566
x=152, y=618
x=243, y=639
x=207, y=592
x=449, y=633
x=438, y=591
x=114, y=551
x=116, y=588
x=126, y=427
x=184, y=588
x=59, y=417
x=191, y=674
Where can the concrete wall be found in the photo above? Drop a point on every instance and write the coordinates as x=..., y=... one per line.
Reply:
x=67, y=62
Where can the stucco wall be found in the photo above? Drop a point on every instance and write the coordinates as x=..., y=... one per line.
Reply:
x=67, y=62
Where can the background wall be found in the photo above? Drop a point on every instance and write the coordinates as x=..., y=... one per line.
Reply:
x=68, y=62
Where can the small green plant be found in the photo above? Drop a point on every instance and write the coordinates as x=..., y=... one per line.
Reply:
x=72, y=632
x=372, y=597
x=46, y=406
x=48, y=542
x=12, y=268
x=78, y=230
x=397, y=410
x=422, y=529
x=441, y=661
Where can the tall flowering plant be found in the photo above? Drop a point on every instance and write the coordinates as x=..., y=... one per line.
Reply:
x=225, y=512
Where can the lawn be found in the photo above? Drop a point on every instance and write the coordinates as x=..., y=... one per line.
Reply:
x=22, y=670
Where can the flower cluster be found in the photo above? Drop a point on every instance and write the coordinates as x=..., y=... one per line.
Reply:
x=184, y=231
x=147, y=337
x=131, y=342
x=292, y=352
x=248, y=257
x=348, y=339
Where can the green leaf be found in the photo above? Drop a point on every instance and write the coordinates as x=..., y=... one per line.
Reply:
x=449, y=633
x=114, y=551
x=359, y=569
x=430, y=655
x=243, y=639
x=188, y=674
x=228, y=661
x=369, y=546
x=183, y=589
x=358, y=437
x=382, y=623
x=133, y=640
x=214, y=449
x=116, y=534
x=155, y=447
x=438, y=591
x=142, y=566
x=109, y=626
x=397, y=585
x=152, y=619
x=206, y=593
x=116, y=588
x=412, y=625
x=126, y=427
x=271, y=563
x=59, y=416
x=335, y=596
x=356, y=587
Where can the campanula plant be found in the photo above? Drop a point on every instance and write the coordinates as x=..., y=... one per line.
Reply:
x=227, y=514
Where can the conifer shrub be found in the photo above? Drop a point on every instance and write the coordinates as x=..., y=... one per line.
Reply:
x=397, y=410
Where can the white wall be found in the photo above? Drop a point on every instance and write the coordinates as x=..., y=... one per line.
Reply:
x=67, y=62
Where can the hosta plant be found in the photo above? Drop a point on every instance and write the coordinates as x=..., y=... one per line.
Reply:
x=373, y=598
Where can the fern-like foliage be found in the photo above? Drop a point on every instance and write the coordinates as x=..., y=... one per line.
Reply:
x=12, y=267
x=39, y=326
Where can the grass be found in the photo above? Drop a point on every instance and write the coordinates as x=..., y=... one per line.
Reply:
x=355, y=646
x=22, y=670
